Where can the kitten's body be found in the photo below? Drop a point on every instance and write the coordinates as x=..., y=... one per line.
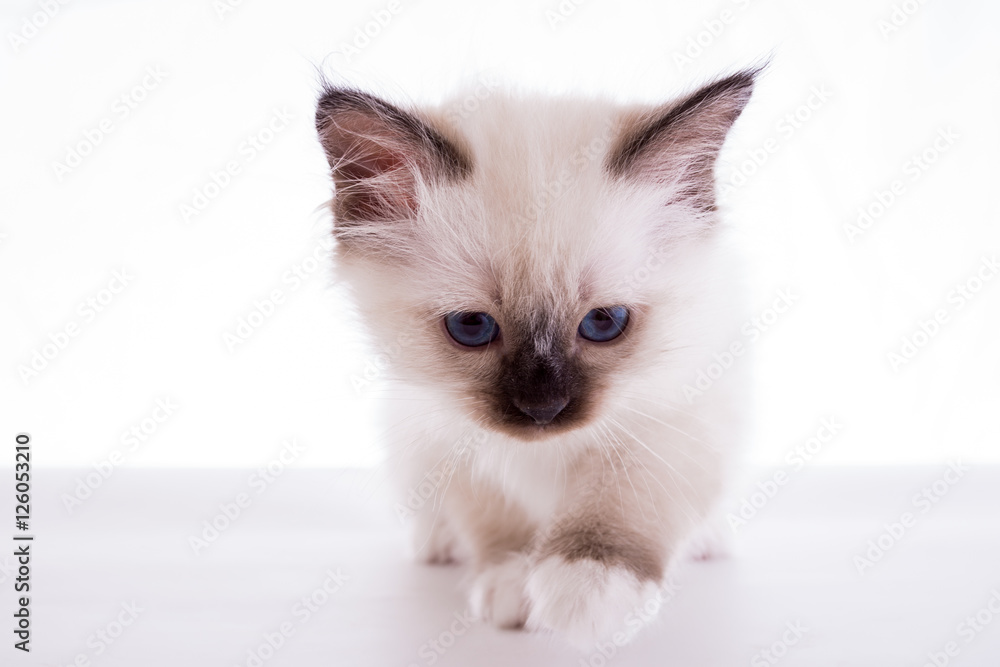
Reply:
x=536, y=212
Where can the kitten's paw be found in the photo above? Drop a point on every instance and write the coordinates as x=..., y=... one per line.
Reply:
x=498, y=594
x=711, y=541
x=432, y=542
x=586, y=600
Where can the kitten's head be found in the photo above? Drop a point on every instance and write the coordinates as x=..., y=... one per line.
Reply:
x=535, y=256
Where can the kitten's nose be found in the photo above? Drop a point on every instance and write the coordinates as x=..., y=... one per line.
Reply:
x=543, y=413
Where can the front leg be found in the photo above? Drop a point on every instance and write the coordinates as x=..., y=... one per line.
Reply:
x=591, y=586
x=601, y=563
x=499, y=533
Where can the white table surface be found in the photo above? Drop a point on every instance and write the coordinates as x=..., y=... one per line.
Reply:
x=129, y=544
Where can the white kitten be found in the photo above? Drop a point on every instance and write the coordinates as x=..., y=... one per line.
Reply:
x=555, y=272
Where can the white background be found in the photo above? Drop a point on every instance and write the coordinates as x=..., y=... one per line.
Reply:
x=162, y=337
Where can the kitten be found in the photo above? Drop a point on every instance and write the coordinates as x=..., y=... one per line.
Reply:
x=552, y=277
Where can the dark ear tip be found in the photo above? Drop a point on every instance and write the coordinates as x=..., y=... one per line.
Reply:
x=333, y=99
x=747, y=77
x=705, y=115
x=742, y=81
x=336, y=96
x=367, y=113
x=329, y=100
x=329, y=96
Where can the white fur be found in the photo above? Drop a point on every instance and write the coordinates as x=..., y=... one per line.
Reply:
x=584, y=599
x=498, y=594
x=598, y=242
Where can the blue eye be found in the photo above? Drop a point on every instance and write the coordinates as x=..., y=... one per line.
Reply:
x=471, y=329
x=603, y=324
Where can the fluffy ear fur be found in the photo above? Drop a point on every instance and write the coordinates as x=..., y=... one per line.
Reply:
x=381, y=157
x=679, y=143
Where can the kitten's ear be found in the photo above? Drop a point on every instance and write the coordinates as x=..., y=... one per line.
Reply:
x=379, y=154
x=680, y=142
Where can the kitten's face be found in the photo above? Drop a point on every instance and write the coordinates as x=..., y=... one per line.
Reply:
x=554, y=347
x=539, y=377
x=532, y=252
